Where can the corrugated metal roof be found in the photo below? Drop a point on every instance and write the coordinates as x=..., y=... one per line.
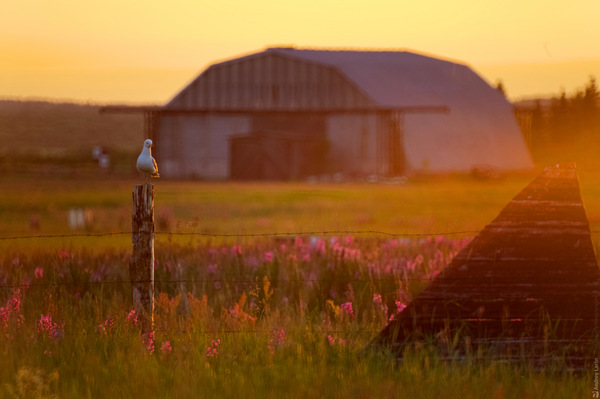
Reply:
x=480, y=129
x=401, y=79
x=393, y=78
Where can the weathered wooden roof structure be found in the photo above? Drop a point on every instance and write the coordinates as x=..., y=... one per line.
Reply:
x=526, y=286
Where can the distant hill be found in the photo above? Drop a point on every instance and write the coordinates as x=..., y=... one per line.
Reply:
x=39, y=128
x=48, y=137
x=59, y=137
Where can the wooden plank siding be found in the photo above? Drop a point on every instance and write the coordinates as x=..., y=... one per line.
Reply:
x=526, y=286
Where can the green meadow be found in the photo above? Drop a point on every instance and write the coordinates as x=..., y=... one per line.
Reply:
x=238, y=311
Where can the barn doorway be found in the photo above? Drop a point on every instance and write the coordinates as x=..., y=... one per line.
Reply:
x=270, y=156
x=396, y=155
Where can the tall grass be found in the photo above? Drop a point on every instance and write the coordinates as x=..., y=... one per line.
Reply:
x=32, y=205
x=268, y=318
x=244, y=316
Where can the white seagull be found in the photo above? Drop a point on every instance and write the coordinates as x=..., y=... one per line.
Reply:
x=145, y=163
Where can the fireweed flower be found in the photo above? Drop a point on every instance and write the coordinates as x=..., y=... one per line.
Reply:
x=107, y=326
x=377, y=299
x=39, y=273
x=269, y=256
x=166, y=347
x=11, y=313
x=400, y=306
x=212, y=349
x=132, y=318
x=346, y=309
x=46, y=327
x=335, y=341
x=277, y=339
x=148, y=340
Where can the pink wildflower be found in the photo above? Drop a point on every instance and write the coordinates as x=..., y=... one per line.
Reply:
x=39, y=273
x=377, y=299
x=16, y=261
x=212, y=349
x=11, y=313
x=50, y=329
x=277, y=339
x=269, y=256
x=433, y=274
x=132, y=317
x=107, y=326
x=306, y=257
x=336, y=341
x=346, y=309
x=321, y=247
x=166, y=347
x=400, y=306
x=148, y=341
x=236, y=250
x=298, y=241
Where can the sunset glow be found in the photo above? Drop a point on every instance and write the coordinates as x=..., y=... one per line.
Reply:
x=135, y=51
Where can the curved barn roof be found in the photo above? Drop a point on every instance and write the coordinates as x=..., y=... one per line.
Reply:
x=391, y=78
x=480, y=128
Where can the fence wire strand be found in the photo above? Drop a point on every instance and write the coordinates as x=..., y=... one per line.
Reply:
x=257, y=235
x=242, y=235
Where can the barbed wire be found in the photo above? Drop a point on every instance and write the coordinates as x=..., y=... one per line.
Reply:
x=220, y=281
x=233, y=235
x=247, y=235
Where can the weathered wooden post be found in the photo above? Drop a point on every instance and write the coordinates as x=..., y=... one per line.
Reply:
x=141, y=269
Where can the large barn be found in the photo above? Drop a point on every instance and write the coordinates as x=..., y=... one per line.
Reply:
x=287, y=113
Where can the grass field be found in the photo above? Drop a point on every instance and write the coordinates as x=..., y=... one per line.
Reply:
x=246, y=316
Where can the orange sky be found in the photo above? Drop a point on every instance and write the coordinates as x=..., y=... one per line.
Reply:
x=146, y=51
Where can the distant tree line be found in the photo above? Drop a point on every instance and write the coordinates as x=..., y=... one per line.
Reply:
x=567, y=128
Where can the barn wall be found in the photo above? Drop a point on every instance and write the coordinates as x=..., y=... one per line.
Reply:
x=272, y=156
x=305, y=124
x=463, y=140
x=270, y=82
x=477, y=130
x=355, y=143
x=198, y=145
